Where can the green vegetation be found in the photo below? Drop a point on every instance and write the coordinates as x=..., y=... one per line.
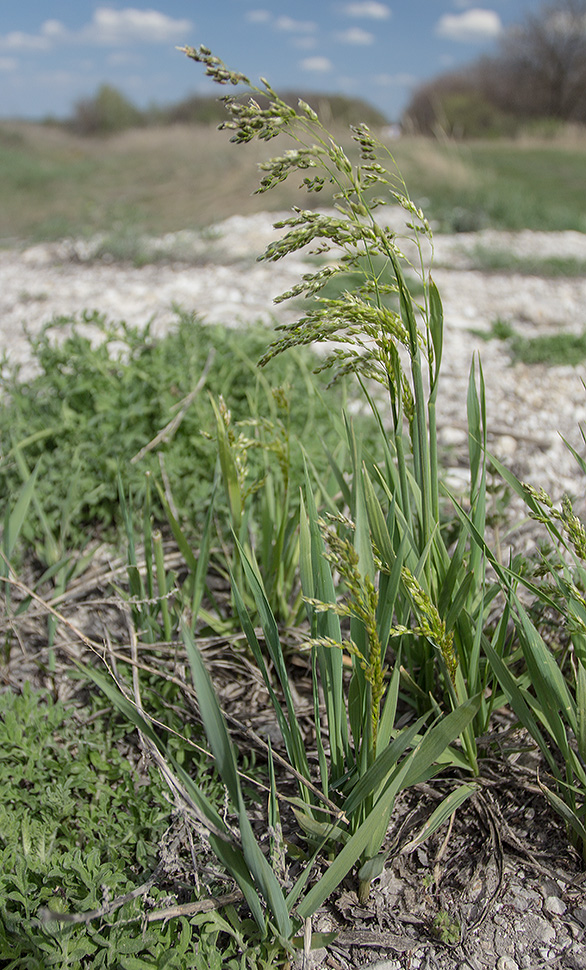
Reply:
x=535, y=78
x=92, y=861
x=109, y=111
x=553, y=350
x=95, y=407
x=488, y=259
x=284, y=539
x=505, y=185
x=62, y=776
x=55, y=184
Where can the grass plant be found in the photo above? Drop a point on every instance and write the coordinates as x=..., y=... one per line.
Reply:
x=389, y=573
x=545, y=682
x=349, y=535
x=104, y=422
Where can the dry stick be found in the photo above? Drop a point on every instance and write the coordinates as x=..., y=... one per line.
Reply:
x=187, y=909
x=97, y=648
x=46, y=914
x=479, y=800
x=169, y=430
x=173, y=782
x=190, y=909
x=331, y=809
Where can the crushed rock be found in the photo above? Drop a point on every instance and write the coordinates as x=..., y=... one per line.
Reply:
x=215, y=274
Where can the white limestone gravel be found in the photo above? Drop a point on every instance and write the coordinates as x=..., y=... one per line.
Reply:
x=219, y=278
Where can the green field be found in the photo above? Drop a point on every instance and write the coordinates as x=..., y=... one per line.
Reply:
x=55, y=184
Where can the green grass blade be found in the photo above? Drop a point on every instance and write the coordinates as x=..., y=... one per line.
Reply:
x=163, y=585
x=581, y=708
x=223, y=751
x=344, y=860
x=212, y=718
x=385, y=763
x=569, y=816
x=254, y=645
x=436, y=331
x=292, y=736
x=229, y=470
x=203, y=560
x=518, y=703
x=548, y=680
x=439, y=737
x=178, y=535
x=389, y=711
x=317, y=583
x=234, y=862
x=441, y=814
x=16, y=519
x=321, y=754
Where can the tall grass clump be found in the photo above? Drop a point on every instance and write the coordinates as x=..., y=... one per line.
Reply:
x=395, y=607
x=394, y=503
x=546, y=687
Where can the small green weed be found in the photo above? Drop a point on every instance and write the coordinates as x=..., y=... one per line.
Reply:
x=499, y=330
x=553, y=350
x=60, y=779
x=81, y=826
x=94, y=406
x=445, y=928
x=486, y=259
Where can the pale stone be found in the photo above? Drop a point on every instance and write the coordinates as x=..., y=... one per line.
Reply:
x=554, y=905
x=507, y=963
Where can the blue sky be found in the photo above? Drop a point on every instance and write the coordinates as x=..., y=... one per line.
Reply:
x=54, y=53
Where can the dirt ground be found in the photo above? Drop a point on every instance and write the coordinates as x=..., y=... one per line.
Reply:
x=498, y=887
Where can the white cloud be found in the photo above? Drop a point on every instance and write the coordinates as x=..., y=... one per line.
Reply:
x=258, y=16
x=304, y=43
x=54, y=29
x=117, y=27
x=395, y=80
x=8, y=63
x=320, y=65
x=19, y=41
x=111, y=28
x=472, y=25
x=295, y=26
x=355, y=35
x=367, y=8
x=124, y=59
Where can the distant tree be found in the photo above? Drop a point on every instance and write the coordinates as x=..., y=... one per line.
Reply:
x=539, y=72
x=197, y=110
x=457, y=105
x=106, y=113
x=332, y=109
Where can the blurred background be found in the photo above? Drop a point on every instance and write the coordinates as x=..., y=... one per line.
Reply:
x=106, y=126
